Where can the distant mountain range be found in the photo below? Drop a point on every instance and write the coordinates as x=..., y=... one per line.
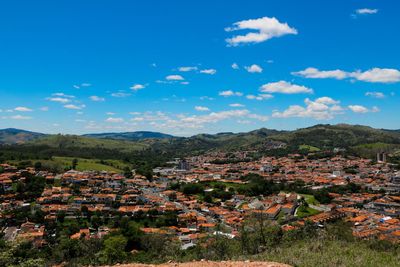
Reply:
x=318, y=137
x=17, y=136
x=130, y=136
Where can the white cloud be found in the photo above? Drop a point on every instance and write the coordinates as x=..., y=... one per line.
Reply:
x=259, y=97
x=114, y=120
x=358, y=108
x=284, y=87
x=317, y=74
x=215, y=117
x=235, y=66
x=230, y=93
x=72, y=106
x=120, y=94
x=377, y=75
x=265, y=28
x=362, y=109
x=375, y=94
x=23, y=109
x=206, y=98
x=20, y=117
x=236, y=105
x=323, y=108
x=186, y=69
x=363, y=11
x=209, y=71
x=254, y=68
x=174, y=78
x=96, y=98
x=326, y=100
x=44, y=108
x=374, y=75
x=59, y=99
x=63, y=95
x=137, y=87
x=78, y=86
x=201, y=108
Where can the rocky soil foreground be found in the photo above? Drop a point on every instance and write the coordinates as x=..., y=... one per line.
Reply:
x=210, y=264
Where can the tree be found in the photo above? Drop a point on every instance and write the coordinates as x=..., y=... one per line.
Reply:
x=74, y=163
x=114, y=250
x=127, y=172
x=38, y=165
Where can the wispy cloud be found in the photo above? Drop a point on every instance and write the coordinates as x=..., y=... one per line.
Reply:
x=230, y=93
x=201, y=108
x=209, y=71
x=72, y=106
x=23, y=109
x=96, y=98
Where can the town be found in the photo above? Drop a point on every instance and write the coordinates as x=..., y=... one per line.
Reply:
x=205, y=195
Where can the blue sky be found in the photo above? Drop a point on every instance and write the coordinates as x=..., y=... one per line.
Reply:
x=187, y=67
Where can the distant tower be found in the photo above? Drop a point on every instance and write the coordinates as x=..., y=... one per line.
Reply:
x=381, y=157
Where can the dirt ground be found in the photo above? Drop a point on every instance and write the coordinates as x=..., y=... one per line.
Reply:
x=210, y=264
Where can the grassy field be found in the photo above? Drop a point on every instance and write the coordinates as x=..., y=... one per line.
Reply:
x=92, y=164
x=310, y=199
x=309, y=148
x=329, y=253
x=302, y=213
x=63, y=163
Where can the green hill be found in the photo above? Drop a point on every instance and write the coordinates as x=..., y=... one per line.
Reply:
x=75, y=141
x=17, y=136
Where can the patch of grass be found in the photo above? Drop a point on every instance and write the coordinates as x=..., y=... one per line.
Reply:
x=329, y=253
x=303, y=212
x=309, y=148
x=65, y=163
x=310, y=199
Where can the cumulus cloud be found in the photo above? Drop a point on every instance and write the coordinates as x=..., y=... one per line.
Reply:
x=284, y=87
x=137, y=87
x=78, y=86
x=209, y=71
x=377, y=75
x=254, y=68
x=374, y=75
x=362, y=109
x=375, y=94
x=230, y=93
x=201, y=108
x=317, y=74
x=96, y=98
x=261, y=30
x=323, y=108
x=215, y=117
x=174, y=77
x=235, y=66
x=23, y=109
